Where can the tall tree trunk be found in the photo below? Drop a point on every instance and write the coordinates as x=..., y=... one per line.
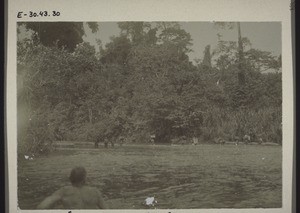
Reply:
x=241, y=74
x=207, y=57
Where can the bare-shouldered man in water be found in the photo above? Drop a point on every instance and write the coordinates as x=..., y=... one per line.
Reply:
x=77, y=196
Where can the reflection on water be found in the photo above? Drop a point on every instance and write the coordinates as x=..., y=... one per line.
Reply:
x=203, y=176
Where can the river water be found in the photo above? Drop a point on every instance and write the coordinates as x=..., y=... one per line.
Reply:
x=179, y=177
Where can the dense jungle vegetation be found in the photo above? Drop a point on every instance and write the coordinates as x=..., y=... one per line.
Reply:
x=141, y=83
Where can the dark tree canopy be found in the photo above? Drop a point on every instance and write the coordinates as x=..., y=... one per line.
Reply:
x=62, y=34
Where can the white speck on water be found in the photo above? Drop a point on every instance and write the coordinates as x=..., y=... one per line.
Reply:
x=150, y=201
x=263, y=158
x=26, y=157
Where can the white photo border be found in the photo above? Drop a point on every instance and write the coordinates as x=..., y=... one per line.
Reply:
x=155, y=10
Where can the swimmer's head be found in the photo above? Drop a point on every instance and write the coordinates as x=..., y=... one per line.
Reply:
x=77, y=176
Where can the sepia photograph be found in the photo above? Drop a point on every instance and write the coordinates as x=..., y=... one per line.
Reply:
x=149, y=115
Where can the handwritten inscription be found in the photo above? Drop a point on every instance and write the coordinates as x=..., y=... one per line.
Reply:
x=35, y=14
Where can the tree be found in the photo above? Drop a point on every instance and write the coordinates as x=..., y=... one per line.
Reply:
x=116, y=51
x=231, y=25
x=262, y=61
x=139, y=32
x=241, y=74
x=207, y=58
x=171, y=33
x=41, y=79
x=161, y=82
x=62, y=34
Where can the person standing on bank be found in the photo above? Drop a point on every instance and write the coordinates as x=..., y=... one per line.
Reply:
x=105, y=143
x=76, y=196
x=97, y=142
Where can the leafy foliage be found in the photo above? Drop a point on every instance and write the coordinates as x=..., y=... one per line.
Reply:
x=62, y=34
x=143, y=83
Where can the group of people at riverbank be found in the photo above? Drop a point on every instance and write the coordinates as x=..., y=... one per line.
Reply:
x=246, y=139
x=106, y=142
